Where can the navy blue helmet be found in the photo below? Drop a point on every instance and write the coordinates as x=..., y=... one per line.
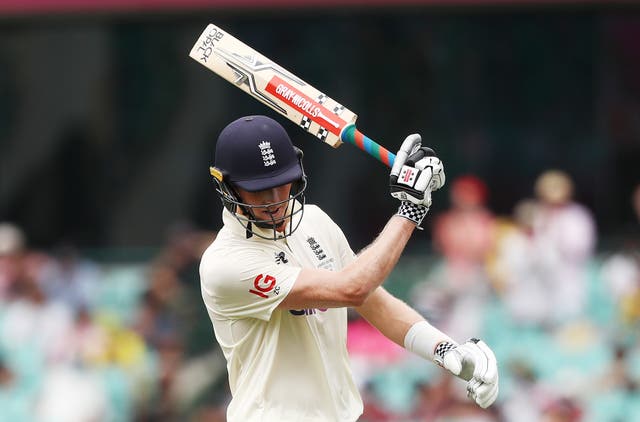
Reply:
x=255, y=153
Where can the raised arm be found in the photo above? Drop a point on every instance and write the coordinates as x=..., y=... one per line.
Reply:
x=318, y=288
x=413, y=177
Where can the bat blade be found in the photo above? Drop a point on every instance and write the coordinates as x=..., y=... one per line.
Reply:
x=279, y=89
x=272, y=85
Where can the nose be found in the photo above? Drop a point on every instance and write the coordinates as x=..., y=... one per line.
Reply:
x=270, y=196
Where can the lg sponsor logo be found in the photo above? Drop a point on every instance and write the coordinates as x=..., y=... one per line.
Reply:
x=264, y=284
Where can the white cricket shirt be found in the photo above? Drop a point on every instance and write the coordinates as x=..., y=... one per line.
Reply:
x=283, y=365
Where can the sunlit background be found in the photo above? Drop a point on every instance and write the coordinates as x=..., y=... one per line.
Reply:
x=107, y=130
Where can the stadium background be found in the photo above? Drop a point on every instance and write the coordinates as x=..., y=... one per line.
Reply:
x=107, y=130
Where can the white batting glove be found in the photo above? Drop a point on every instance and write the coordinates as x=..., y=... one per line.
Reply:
x=475, y=363
x=416, y=172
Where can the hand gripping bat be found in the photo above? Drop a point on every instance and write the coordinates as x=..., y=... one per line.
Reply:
x=284, y=92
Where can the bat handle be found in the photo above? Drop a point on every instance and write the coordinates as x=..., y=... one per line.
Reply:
x=353, y=136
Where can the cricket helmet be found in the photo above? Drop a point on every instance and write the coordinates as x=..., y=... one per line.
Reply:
x=255, y=153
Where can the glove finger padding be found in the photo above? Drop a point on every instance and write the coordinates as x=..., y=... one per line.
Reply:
x=477, y=361
x=432, y=171
x=424, y=178
x=484, y=394
x=474, y=362
x=462, y=361
x=472, y=359
x=437, y=177
x=409, y=146
x=491, y=373
x=415, y=181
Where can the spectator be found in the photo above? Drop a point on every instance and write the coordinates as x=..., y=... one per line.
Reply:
x=464, y=233
x=17, y=261
x=541, y=259
x=160, y=311
x=86, y=341
x=181, y=254
x=12, y=245
x=514, y=273
x=72, y=279
x=564, y=235
x=31, y=320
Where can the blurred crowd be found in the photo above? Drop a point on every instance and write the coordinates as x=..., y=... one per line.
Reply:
x=561, y=314
x=89, y=340
x=82, y=341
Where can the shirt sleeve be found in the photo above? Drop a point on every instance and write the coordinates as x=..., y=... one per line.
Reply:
x=244, y=285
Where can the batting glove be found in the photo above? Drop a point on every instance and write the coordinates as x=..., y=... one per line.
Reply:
x=475, y=363
x=416, y=172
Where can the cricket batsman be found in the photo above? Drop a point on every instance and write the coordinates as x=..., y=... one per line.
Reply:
x=280, y=275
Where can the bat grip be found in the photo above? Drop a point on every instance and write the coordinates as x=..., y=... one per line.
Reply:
x=353, y=136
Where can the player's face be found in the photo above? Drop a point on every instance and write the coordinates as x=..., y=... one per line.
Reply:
x=269, y=205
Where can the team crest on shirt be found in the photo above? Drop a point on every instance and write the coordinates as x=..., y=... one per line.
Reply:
x=318, y=251
x=316, y=248
x=263, y=285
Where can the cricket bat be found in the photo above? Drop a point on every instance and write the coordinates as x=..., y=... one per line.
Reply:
x=279, y=89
